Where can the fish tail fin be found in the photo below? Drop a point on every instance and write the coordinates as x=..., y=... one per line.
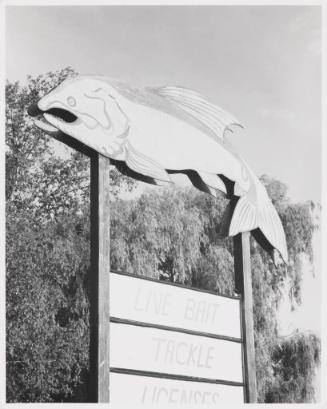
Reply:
x=264, y=223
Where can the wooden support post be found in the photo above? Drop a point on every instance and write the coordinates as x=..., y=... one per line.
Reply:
x=243, y=286
x=99, y=280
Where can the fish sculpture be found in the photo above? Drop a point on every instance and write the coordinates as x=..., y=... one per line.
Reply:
x=153, y=133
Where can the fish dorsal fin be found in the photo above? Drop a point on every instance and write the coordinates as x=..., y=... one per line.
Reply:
x=198, y=107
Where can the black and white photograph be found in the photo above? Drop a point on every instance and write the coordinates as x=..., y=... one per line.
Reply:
x=163, y=204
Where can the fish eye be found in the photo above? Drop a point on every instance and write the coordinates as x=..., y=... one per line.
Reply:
x=71, y=101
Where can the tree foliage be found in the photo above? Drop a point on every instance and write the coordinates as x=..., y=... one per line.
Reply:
x=47, y=254
x=170, y=234
x=295, y=359
x=158, y=230
x=47, y=333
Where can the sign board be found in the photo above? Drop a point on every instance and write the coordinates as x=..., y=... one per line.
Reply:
x=156, y=302
x=171, y=344
x=170, y=352
x=134, y=390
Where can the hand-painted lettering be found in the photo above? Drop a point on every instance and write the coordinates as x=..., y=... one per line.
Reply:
x=158, y=303
x=163, y=395
x=201, y=311
x=183, y=354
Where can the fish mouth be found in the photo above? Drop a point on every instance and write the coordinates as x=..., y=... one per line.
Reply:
x=48, y=118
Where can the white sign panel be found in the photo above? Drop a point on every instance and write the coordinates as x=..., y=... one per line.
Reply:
x=153, y=302
x=134, y=389
x=170, y=352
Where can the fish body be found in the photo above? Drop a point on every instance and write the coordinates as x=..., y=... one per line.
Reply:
x=158, y=131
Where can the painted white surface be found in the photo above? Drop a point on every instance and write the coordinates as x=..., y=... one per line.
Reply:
x=170, y=352
x=134, y=389
x=157, y=303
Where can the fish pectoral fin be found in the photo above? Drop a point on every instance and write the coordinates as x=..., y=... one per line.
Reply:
x=144, y=165
x=213, y=182
x=215, y=118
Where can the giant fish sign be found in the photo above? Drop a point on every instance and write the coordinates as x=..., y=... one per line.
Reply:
x=152, y=133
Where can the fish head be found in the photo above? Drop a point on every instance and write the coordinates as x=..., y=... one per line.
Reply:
x=87, y=109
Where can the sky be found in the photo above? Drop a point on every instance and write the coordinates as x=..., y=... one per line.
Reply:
x=261, y=63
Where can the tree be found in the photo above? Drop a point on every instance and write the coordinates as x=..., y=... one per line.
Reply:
x=47, y=309
x=47, y=255
x=268, y=282
x=294, y=362
x=155, y=236
x=150, y=236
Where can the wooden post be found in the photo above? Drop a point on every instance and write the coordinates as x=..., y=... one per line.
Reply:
x=243, y=286
x=99, y=280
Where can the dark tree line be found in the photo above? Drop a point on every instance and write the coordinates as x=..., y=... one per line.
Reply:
x=171, y=234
